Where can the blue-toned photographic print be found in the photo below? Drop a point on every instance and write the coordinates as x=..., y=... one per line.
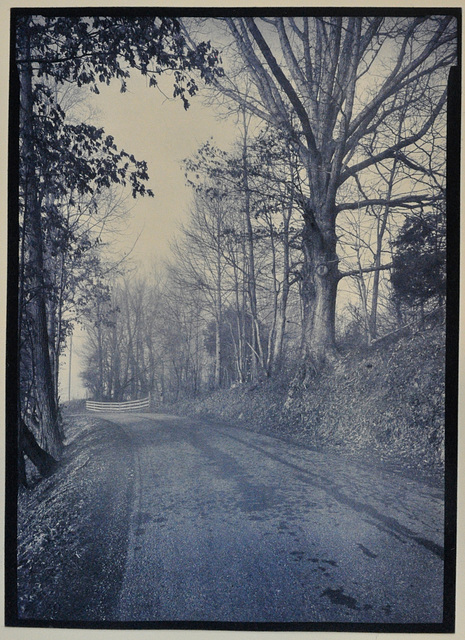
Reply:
x=233, y=323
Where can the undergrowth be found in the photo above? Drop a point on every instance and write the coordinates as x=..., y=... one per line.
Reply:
x=385, y=403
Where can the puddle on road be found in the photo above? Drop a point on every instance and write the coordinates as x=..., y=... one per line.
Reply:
x=333, y=563
x=299, y=556
x=337, y=596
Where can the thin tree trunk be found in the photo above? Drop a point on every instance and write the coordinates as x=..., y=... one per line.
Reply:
x=362, y=288
x=257, y=350
x=219, y=306
x=379, y=245
x=285, y=287
x=269, y=366
x=58, y=338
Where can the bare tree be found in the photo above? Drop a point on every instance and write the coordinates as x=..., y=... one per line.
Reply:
x=339, y=77
x=199, y=262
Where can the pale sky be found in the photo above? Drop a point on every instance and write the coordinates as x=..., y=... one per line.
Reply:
x=161, y=132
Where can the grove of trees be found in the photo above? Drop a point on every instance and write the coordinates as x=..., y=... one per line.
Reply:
x=66, y=172
x=324, y=223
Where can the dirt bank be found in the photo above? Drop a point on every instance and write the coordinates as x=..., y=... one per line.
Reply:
x=384, y=404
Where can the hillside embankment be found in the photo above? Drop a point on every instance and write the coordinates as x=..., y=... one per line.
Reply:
x=384, y=405
x=72, y=526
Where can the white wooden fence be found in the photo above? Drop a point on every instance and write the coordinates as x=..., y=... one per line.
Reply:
x=130, y=405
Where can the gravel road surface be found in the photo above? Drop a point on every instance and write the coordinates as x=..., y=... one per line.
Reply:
x=230, y=525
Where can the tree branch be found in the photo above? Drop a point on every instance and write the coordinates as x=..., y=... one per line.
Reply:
x=285, y=85
x=397, y=76
x=414, y=165
x=407, y=202
x=391, y=152
x=357, y=272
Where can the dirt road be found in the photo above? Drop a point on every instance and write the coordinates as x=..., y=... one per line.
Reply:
x=154, y=518
x=229, y=525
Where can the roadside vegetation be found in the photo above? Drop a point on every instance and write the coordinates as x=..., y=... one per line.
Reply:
x=305, y=292
x=383, y=405
x=72, y=528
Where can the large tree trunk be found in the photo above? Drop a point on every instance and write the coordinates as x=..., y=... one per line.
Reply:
x=52, y=438
x=322, y=343
x=42, y=460
x=320, y=279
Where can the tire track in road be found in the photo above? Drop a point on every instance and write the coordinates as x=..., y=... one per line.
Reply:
x=208, y=555
x=330, y=487
x=123, y=607
x=224, y=528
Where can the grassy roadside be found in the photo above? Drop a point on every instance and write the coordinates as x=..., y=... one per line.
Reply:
x=385, y=405
x=72, y=528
